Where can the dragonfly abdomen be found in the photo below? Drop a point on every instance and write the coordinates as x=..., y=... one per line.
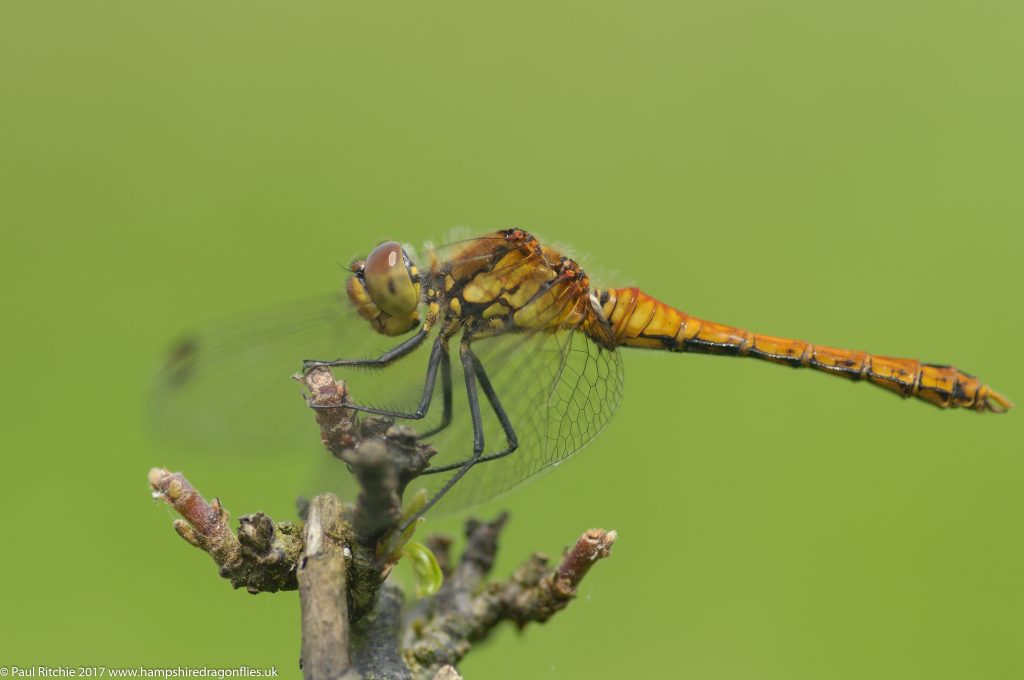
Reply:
x=638, y=320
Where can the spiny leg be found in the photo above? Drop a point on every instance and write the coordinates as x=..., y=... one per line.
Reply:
x=499, y=411
x=469, y=369
x=383, y=360
x=446, y=395
x=438, y=357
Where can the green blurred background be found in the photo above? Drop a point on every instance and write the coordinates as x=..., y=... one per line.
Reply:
x=848, y=173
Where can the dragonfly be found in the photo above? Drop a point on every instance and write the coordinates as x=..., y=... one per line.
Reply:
x=517, y=344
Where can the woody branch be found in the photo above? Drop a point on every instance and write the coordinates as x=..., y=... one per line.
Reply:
x=354, y=623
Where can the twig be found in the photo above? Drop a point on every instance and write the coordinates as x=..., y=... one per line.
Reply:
x=352, y=621
x=457, y=593
x=261, y=558
x=592, y=546
x=465, y=611
x=376, y=638
x=383, y=457
x=322, y=593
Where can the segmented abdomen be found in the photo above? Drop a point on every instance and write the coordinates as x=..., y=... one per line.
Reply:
x=638, y=320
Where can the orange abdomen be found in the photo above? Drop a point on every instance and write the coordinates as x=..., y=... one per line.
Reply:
x=638, y=320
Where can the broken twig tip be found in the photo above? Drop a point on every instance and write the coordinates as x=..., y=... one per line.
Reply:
x=448, y=673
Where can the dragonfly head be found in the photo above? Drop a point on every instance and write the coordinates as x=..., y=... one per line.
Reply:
x=385, y=288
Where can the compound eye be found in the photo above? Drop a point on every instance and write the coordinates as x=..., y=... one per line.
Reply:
x=389, y=281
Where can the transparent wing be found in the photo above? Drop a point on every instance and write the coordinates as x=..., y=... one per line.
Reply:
x=227, y=387
x=559, y=391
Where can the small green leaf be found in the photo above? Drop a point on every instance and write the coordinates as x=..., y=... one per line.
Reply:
x=424, y=567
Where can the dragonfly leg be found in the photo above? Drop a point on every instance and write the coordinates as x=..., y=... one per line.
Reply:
x=446, y=395
x=383, y=360
x=469, y=369
x=466, y=465
x=499, y=411
x=438, y=358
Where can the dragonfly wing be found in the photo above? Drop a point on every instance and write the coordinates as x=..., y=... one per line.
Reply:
x=559, y=391
x=227, y=386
